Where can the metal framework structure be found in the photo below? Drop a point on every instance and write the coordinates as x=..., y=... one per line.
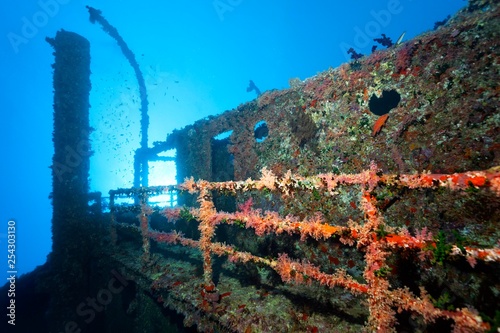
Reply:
x=371, y=236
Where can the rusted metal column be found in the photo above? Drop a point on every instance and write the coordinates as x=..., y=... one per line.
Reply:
x=71, y=160
x=71, y=249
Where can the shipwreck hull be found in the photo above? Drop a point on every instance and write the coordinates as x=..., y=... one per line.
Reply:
x=365, y=198
x=356, y=220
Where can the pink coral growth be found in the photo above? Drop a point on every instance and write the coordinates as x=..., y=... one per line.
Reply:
x=246, y=206
x=403, y=57
x=172, y=214
x=423, y=235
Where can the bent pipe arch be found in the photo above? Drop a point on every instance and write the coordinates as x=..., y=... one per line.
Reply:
x=140, y=163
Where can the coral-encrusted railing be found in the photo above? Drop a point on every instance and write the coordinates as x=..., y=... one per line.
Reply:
x=383, y=300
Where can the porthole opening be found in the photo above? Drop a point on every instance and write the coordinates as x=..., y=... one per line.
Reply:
x=261, y=131
x=383, y=104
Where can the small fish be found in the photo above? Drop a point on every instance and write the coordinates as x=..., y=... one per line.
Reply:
x=379, y=123
x=225, y=294
x=400, y=39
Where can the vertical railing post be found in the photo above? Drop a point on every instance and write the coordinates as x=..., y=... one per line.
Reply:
x=207, y=229
x=171, y=193
x=144, y=220
x=112, y=213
